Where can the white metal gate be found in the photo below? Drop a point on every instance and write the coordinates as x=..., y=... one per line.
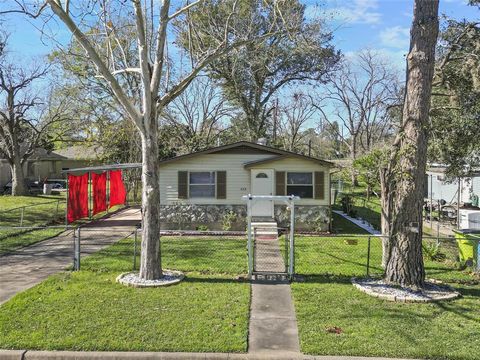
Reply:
x=289, y=201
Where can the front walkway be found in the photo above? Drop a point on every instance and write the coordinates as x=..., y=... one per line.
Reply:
x=273, y=323
x=31, y=265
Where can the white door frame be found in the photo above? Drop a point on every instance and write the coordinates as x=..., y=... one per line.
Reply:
x=262, y=204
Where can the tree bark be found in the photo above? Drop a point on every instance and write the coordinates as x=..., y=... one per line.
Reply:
x=385, y=214
x=405, y=266
x=150, y=260
x=18, y=178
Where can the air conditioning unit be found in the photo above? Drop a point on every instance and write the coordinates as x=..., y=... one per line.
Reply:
x=469, y=219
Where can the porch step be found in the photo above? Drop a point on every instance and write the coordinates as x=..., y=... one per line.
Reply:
x=265, y=229
x=263, y=219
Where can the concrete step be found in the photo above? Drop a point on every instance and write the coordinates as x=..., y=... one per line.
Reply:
x=264, y=224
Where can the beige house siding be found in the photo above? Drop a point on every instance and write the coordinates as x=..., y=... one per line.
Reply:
x=238, y=178
x=300, y=165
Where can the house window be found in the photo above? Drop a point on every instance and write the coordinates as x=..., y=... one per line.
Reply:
x=262, y=176
x=300, y=184
x=202, y=184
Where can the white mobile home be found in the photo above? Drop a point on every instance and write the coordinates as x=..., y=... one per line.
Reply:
x=202, y=188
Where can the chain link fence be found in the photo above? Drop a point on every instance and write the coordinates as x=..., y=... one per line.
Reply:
x=44, y=213
x=117, y=249
x=208, y=254
x=361, y=255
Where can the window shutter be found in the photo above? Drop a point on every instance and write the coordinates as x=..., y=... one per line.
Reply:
x=280, y=183
x=183, y=184
x=221, y=184
x=319, y=185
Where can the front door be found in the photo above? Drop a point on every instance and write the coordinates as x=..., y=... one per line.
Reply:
x=262, y=184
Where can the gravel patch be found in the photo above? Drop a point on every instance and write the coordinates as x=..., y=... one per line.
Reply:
x=433, y=291
x=170, y=277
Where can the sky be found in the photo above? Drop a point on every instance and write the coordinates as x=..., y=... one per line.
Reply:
x=381, y=25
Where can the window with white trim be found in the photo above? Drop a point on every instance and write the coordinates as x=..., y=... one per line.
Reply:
x=300, y=184
x=201, y=184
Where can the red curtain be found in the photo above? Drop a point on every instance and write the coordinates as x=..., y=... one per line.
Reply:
x=77, y=197
x=99, y=192
x=118, y=193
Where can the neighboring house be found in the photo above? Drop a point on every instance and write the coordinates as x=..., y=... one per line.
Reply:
x=49, y=165
x=439, y=187
x=203, y=187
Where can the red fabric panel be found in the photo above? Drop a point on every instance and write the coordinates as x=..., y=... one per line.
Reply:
x=99, y=190
x=77, y=197
x=118, y=193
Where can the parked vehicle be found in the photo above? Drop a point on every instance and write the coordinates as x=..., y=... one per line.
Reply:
x=33, y=187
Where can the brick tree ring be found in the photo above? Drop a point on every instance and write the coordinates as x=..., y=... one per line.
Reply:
x=170, y=277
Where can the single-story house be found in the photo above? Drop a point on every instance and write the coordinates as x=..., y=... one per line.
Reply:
x=49, y=165
x=204, y=187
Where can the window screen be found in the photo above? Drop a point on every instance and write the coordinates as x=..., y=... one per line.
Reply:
x=300, y=184
x=202, y=184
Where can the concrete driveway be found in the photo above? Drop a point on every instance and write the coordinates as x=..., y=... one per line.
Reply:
x=31, y=265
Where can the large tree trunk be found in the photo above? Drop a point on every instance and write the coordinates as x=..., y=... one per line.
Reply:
x=405, y=266
x=150, y=261
x=18, y=178
x=385, y=214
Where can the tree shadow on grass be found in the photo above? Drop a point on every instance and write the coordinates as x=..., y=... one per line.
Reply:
x=213, y=279
x=408, y=310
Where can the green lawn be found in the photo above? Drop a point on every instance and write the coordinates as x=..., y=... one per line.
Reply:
x=372, y=327
x=87, y=310
x=365, y=209
x=39, y=210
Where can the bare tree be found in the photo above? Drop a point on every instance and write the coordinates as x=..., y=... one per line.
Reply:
x=26, y=119
x=198, y=116
x=150, y=28
x=405, y=262
x=293, y=117
x=360, y=93
x=251, y=76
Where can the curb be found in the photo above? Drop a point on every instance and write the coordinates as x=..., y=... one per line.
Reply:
x=12, y=354
x=124, y=355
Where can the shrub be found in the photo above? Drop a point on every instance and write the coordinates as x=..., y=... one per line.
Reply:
x=228, y=219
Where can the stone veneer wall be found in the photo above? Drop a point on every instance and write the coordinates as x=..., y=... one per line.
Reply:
x=189, y=217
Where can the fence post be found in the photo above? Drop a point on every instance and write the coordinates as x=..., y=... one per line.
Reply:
x=287, y=240
x=135, y=249
x=22, y=214
x=254, y=248
x=76, y=247
x=478, y=257
x=291, y=264
x=368, y=257
x=249, y=236
x=56, y=210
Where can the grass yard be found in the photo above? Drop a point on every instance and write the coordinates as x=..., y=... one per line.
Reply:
x=87, y=310
x=39, y=211
x=372, y=327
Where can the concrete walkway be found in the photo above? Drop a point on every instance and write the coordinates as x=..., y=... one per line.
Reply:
x=31, y=265
x=273, y=324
